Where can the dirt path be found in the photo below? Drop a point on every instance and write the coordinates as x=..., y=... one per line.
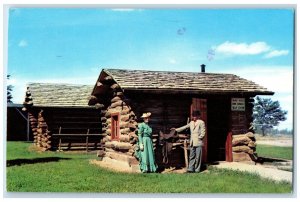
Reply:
x=270, y=173
x=280, y=143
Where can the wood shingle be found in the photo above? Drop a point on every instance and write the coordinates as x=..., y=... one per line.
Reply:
x=184, y=82
x=59, y=95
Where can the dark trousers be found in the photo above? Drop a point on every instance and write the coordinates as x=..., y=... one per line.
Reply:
x=195, y=159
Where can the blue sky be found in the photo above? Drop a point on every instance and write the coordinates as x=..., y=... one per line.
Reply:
x=72, y=45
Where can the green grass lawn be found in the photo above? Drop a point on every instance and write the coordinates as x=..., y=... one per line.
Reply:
x=31, y=171
x=275, y=151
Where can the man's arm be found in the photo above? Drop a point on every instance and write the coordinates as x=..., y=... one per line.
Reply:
x=202, y=130
x=182, y=128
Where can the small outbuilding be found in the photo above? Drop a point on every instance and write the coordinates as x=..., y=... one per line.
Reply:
x=60, y=117
x=17, y=123
x=225, y=101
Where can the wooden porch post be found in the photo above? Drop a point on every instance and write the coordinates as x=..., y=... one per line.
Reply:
x=229, y=147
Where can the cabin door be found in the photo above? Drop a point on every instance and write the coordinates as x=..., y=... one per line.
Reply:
x=200, y=104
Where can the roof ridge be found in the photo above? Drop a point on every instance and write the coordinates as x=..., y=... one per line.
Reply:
x=58, y=84
x=143, y=70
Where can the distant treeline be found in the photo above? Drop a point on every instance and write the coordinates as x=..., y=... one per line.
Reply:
x=276, y=131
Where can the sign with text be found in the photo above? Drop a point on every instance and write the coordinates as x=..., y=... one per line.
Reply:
x=237, y=104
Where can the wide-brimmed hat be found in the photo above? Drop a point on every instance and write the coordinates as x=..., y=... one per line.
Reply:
x=146, y=115
x=196, y=113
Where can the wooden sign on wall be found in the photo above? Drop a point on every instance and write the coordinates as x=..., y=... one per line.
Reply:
x=237, y=104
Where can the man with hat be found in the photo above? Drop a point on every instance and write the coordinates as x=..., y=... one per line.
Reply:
x=197, y=130
x=146, y=152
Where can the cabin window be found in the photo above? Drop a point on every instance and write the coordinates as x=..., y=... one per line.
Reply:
x=115, y=126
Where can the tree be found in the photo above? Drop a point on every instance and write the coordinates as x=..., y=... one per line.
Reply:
x=267, y=114
x=9, y=90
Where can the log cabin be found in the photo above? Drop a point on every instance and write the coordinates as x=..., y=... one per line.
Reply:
x=60, y=117
x=225, y=101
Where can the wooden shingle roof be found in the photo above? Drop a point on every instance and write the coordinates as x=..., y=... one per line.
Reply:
x=58, y=95
x=185, y=82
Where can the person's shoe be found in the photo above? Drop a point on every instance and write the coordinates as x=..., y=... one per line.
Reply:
x=190, y=171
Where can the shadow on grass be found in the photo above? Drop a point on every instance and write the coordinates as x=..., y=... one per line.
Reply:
x=18, y=162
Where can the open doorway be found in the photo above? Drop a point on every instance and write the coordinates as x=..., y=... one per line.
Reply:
x=218, y=113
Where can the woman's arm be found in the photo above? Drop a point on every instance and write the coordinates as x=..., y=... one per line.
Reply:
x=140, y=135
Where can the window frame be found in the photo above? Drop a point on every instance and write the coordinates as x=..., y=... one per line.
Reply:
x=115, y=126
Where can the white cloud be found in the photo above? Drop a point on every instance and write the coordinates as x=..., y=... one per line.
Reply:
x=23, y=43
x=278, y=79
x=232, y=48
x=276, y=53
x=275, y=78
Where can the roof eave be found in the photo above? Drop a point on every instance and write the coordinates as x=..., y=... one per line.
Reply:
x=197, y=91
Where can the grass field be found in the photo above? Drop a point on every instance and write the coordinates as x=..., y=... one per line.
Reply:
x=275, y=151
x=31, y=171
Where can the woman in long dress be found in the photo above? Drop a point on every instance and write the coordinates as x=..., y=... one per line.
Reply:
x=146, y=152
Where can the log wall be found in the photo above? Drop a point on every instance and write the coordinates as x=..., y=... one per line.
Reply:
x=47, y=121
x=167, y=112
x=243, y=140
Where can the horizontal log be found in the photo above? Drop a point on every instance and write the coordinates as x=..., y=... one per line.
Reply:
x=114, y=86
x=107, y=139
x=108, y=131
x=133, y=141
x=241, y=156
x=132, y=126
x=115, y=99
x=118, y=103
x=249, y=134
x=124, y=124
x=108, y=121
x=125, y=131
x=252, y=144
x=133, y=135
x=108, y=78
x=125, y=117
x=118, y=93
x=125, y=111
x=242, y=149
x=104, y=125
x=241, y=140
x=124, y=157
x=99, y=106
x=41, y=119
x=103, y=129
x=107, y=114
x=122, y=110
x=118, y=145
x=103, y=112
x=124, y=138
